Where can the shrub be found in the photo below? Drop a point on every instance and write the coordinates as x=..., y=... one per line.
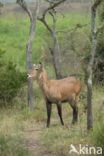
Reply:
x=11, y=80
x=101, y=11
x=99, y=60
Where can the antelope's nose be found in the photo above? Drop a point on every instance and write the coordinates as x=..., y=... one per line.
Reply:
x=29, y=76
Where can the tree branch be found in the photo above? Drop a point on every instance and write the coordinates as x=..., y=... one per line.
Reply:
x=1, y=4
x=96, y=4
x=53, y=15
x=36, y=10
x=47, y=10
x=23, y=4
x=45, y=23
x=51, y=7
x=77, y=26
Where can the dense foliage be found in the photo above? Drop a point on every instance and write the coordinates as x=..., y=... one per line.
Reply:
x=99, y=61
x=11, y=80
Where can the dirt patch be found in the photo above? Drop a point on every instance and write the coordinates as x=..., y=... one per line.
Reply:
x=33, y=142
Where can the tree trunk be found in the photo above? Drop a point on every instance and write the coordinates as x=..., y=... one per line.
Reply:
x=89, y=103
x=33, y=17
x=29, y=63
x=29, y=53
x=90, y=66
x=56, y=56
x=55, y=49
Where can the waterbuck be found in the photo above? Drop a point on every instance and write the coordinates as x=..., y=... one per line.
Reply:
x=57, y=91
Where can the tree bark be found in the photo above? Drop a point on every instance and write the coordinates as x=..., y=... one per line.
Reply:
x=90, y=65
x=29, y=63
x=56, y=56
x=33, y=18
x=55, y=50
x=1, y=6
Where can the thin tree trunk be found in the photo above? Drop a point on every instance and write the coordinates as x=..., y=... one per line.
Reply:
x=33, y=18
x=29, y=53
x=90, y=66
x=55, y=50
x=29, y=63
x=56, y=56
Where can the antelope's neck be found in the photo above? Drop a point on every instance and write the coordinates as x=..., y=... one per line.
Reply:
x=43, y=81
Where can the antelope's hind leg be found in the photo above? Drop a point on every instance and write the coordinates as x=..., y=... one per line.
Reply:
x=49, y=108
x=59, y=109
x=74, y=106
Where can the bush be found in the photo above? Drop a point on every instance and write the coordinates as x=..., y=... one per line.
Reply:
x=101, y=11
x=11, y=80
x=99, y=60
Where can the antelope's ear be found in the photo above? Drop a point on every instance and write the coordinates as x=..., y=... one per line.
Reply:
x=34, y=65
x=40, y=65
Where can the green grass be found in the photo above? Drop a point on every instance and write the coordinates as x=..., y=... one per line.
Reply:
x=14, y=30
x=11, y=137
x=11, y=146
x=14, y=36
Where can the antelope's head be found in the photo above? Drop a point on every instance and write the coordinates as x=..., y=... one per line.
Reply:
x=35, y=71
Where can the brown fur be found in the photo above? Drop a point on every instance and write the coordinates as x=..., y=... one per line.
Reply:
x=57, y=91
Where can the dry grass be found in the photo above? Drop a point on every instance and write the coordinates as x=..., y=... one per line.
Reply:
x=27, y=127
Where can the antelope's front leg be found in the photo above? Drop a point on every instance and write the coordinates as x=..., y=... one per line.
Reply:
x=59, y=108
x=49, y=108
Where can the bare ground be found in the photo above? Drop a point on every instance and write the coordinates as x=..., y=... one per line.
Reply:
x=33, y=142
